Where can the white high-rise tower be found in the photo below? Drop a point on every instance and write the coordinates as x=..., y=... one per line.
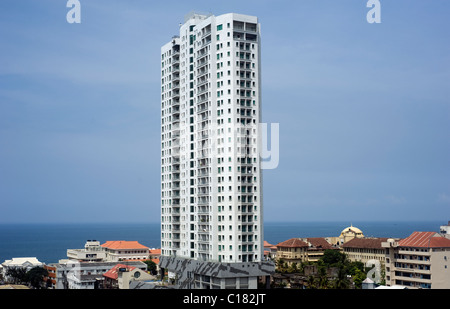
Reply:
x=211, y=186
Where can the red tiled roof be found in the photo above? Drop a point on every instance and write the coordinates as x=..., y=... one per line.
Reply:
x=156, y=261
x=155, y=251
x=367, y=243
x=293, y=243
x=113, y=272
x=266, y=244
x=122, y=244
x=425, y=240
x=319, y=242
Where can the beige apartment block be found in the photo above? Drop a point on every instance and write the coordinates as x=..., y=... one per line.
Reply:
x=298, y=250
x=365, y=250
x=293, y=250
x=418, y=261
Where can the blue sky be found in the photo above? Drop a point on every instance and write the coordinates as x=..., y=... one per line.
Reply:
x=364, y=109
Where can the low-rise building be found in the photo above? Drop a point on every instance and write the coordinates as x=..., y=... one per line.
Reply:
x=445, y=230
x=421, y=260
x=71, y=274
x=92, y=252
x=298, y=250
x=121, y=276
x=347, y=234
x=317, y=247
x=154, y=255
x=25, y=263
x=121, y=250
x=112, y=251
x=270, y=251
x=293, y=250
x=365, y=250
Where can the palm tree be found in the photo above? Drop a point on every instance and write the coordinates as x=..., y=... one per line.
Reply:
x=311, y=283
x=341, y=281
x=323, y=279
x=280, y=265
x=293, y=268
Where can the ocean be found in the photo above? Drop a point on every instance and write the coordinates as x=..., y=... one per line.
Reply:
x=49, y=242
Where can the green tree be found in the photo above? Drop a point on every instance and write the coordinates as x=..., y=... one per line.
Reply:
x=16, y=275
x=356, y=266
x=383, y=276
x=358, y=278
x=333, y=257
x=341, y=281
x=281, y=265
x=322, y=277
x=151, y=266
x=292, y=268
x=311, y=283
x=35, y=277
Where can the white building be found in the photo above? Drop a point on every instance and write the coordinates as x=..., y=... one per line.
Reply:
x=445, y=230
x=26, y=263
x=211, y=186
x=110, y=251
x=92, y=252
x=70, y=274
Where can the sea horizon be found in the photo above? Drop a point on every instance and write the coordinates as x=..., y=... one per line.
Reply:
x=49, y=241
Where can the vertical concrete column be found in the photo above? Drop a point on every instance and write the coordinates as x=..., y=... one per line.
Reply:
x=268, y=282
x=162, y=272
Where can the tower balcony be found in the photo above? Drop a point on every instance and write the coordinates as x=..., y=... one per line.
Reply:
x=203, y=209
x=203, y=192
x=203, y=201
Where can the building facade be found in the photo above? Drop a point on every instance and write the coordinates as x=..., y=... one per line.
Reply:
x=418, y=261
x=445, y=230
x=299, y=250
x=110, y=251
x=121, y=276
x=26, y=263
x=122, y=250
x=365, y=250
x=211, y=199
x=71, y=274
x=92, y=252
x=293, y=250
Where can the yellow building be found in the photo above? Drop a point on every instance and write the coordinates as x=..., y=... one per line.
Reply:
x=349, y=233
x=292, y=250
x=365, y=250
x=297, y=250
